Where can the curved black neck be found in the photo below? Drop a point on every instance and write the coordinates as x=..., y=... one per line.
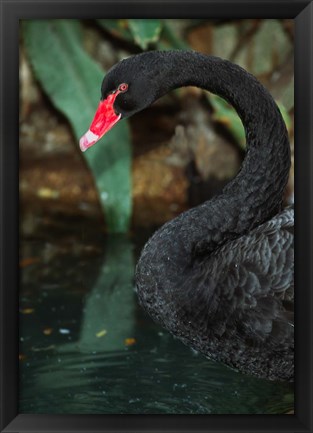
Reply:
x=256, y=193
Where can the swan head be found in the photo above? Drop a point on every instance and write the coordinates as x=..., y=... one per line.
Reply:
x=129, y=86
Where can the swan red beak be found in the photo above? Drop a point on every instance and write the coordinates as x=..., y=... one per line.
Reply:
x=105, y=118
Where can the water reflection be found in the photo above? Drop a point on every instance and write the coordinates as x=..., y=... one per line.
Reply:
x=86, y=346
x=108, y=314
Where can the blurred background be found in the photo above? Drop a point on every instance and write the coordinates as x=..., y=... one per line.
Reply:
x=174, y=155
x=85, y=217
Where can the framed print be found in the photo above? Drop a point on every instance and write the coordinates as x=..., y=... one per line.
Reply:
x=152, y=155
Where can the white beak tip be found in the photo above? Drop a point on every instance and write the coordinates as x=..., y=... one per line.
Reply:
x=87, y=140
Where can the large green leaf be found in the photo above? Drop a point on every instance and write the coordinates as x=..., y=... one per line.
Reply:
x=145, y=31
x=72, y=80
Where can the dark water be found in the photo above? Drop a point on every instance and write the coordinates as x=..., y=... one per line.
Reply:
x=87, y=347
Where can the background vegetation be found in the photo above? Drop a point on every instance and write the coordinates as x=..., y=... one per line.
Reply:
x=147, y=170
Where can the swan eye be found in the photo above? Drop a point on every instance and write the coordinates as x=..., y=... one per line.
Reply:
x=123, y=87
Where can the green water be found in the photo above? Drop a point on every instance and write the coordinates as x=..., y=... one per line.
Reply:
x=87, y=347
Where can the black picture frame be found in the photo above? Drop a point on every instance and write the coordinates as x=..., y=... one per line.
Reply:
x=14, y=10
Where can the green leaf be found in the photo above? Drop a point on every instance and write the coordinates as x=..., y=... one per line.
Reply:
x=227, y=115
x=118, y=28
x=109, y=311
x=170, y=38
x=145, y=31
x=287, y=97
x=271, y=47
x=258, y=46
x=285, y=115
x=72, y=80
x=224, y=40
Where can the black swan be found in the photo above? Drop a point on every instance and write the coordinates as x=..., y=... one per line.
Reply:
x=219, y=276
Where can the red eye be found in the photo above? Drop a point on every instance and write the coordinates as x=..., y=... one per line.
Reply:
x=123, y=87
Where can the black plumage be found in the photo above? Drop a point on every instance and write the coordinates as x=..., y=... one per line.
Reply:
x=220, y=276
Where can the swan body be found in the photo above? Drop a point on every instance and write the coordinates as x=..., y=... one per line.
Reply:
x=220, y=276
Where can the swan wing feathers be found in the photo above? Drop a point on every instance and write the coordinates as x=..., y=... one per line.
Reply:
x=249, y=285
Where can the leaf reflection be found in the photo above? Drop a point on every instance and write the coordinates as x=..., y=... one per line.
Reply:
x=108, y=314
